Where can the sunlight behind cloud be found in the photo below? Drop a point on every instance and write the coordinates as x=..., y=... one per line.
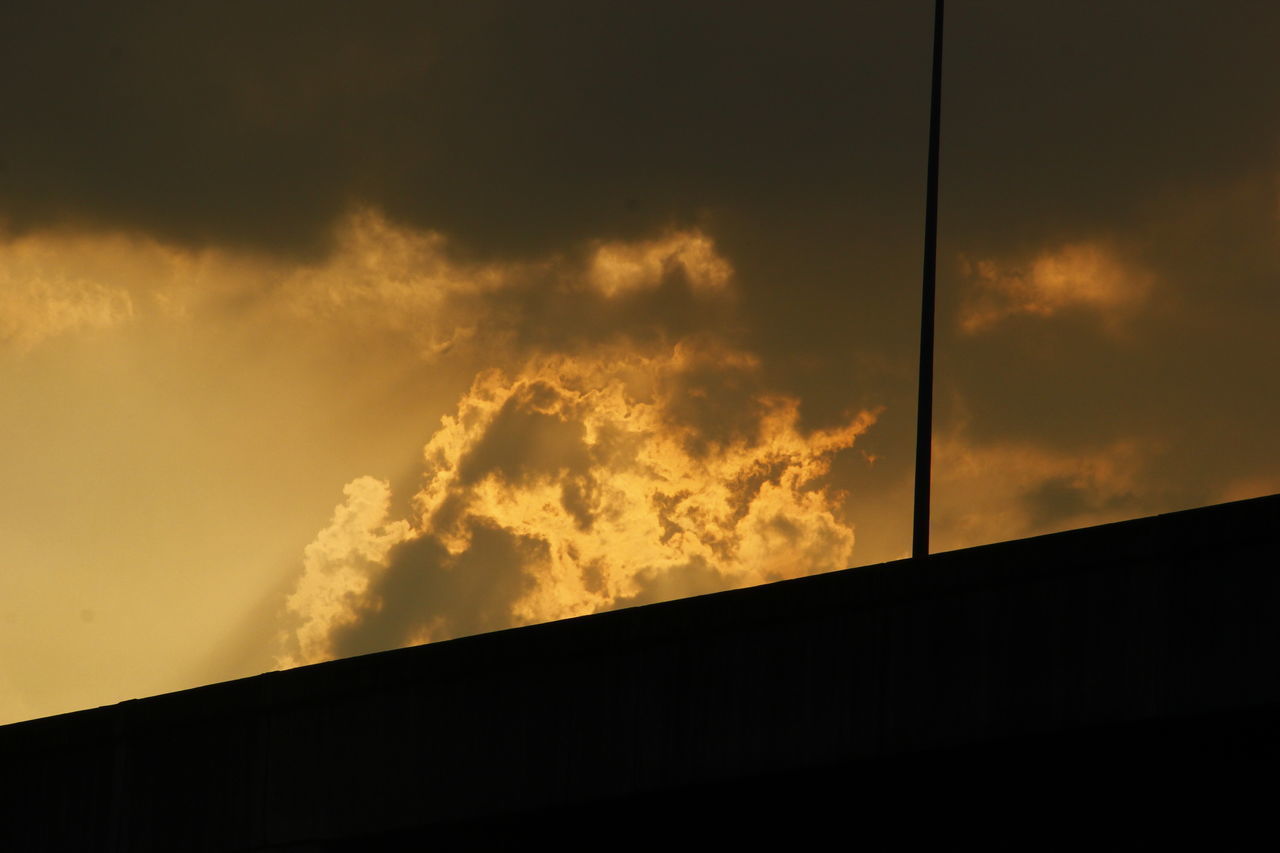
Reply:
x=582, y=483
x=333, y=578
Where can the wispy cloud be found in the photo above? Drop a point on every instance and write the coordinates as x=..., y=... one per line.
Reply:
x=993, y=491
x=47, y=291
x=1081, y=276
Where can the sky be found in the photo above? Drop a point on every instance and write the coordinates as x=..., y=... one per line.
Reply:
x=328, y=328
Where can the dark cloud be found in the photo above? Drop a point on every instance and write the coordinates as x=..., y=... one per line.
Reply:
x=789, y=138
x=1057, y=501
x=714, y=404
x=1151, y=132
x=1064, y=119
x=515, y=127
x=696, y=578
x=1185, y=366
x=792, y=135
x=564, y=312
x=424, y=587
x=528, y=439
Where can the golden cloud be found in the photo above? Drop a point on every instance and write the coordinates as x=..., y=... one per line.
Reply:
x=602, y=480
x=62, y=282
x=404, y=281
x=618, y=267
x=335, y=576
x=605, y=457
x=381, y=279
x=1081, y=275
x=395, y=280
x=52, y=287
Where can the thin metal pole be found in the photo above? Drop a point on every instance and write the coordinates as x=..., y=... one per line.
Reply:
x=924, y=407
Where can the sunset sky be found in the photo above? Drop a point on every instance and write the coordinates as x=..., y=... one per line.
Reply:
x=332, y=327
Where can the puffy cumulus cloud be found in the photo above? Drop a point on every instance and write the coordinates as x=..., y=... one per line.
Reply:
x=576, y=484
x=336, y=566
x=1086, y=276
x=994, y=491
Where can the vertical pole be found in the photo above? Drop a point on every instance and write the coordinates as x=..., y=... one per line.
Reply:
x=924, y=406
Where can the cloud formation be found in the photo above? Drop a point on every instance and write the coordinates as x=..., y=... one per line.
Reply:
x=989, y=492
x=580, y=483
x=616, y=446
x=336, y=566
x=1082, y=276
x=45, y=294
x=263, y=248
x=515, y=129
x=618, y=267
x=392, y=280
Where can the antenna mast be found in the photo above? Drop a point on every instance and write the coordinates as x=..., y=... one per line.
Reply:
x=924, y=407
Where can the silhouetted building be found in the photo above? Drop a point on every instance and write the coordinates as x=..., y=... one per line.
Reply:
x=1124, y=672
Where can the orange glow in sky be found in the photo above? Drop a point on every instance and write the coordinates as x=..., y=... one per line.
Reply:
x=328, y=333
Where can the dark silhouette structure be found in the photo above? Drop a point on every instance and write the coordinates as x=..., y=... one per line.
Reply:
x=1124, y=672
x=928, y=299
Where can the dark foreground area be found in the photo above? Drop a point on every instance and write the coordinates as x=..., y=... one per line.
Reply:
x=1101, y=685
